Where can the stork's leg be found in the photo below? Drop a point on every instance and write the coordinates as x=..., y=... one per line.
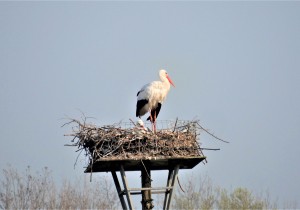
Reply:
x=153, y=127
x=152, y=122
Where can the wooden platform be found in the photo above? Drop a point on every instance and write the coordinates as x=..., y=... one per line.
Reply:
x=137, y=164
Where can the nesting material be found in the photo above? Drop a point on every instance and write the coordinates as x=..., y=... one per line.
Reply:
x=114, y=142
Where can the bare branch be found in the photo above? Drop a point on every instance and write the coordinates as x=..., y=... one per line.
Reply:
x=211, y=133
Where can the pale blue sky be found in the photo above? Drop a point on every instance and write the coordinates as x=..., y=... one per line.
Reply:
x=236, y=67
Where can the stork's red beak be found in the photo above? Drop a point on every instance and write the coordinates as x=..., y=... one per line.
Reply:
x=170, y=80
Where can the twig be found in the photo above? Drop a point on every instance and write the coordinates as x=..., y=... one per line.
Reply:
x=132, y=122
x=203, y=148
x=146, y=170
x=180, y=184
x=70, y=144
x=211, y=134
x=175, y=124
x=77, y=158
x=91, y=165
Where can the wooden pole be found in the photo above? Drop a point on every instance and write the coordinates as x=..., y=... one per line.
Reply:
x=126, y=188
x=146, y=183
x=118, y=187
x=173, y=186
x=169, y=182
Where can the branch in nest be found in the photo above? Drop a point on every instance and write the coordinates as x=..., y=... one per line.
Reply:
x=211, y=133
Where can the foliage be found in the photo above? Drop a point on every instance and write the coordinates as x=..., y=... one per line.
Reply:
x=30, y=190
x=38, y=191
x=195, y=196
x=240, y=198
x=201, y=194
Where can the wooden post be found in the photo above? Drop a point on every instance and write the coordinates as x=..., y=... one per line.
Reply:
x=118, y=187
x=146, y=183
x=173, y=186
x=169, y=182
x=126, y=188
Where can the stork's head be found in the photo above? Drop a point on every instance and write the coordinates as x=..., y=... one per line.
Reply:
x=163, y=74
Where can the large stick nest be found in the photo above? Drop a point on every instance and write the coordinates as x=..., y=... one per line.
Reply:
x=123, y=142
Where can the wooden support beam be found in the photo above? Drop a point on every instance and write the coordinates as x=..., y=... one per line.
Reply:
x=169, y=182
x=146, y=183
x=118, y=187
x=127, y=192
x=173, y=186
x=150, y=188
x=145, y=166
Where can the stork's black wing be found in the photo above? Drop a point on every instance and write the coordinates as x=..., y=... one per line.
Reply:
x=139, y=105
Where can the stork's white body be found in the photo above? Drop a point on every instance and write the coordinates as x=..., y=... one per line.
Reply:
x=152, y=95
x=155, y=92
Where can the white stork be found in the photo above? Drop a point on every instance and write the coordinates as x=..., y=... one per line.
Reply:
x=151, y=97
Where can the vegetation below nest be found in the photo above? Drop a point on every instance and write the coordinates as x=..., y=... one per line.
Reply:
x=37, y=190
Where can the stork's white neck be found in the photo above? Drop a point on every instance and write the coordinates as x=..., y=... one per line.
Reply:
x=166, y=82
x=163, y=76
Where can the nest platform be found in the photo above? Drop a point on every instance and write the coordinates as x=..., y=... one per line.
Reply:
x=127, y=144
x=134, y=147
x=138, y=165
